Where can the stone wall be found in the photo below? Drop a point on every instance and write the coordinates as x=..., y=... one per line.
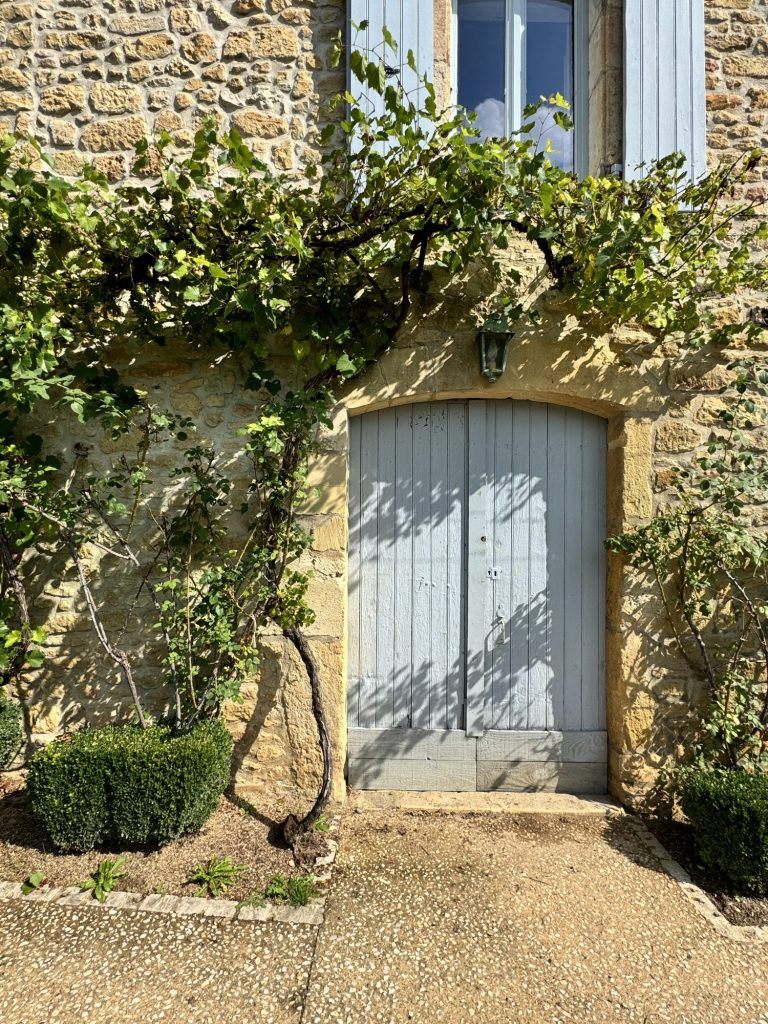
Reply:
x=91, y=78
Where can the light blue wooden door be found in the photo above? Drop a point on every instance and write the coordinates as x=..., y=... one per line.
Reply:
x=406, y=568
x=476, y=598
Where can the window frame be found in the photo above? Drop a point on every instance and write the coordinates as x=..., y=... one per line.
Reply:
x=516, y=13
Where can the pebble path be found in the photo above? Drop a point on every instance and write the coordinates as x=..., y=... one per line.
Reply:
x=431, y=918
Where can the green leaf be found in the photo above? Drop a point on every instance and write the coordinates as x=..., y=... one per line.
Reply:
x=33, y=882
x=345, y=365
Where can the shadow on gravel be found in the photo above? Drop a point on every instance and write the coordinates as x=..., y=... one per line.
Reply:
x=677, y=839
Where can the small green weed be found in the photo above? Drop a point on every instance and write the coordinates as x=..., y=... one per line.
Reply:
x=322, y=824
x=256, y=900
x=218, y=875
x=297, y=891
x=35, y=881
x=277, y=889
x=104, y=877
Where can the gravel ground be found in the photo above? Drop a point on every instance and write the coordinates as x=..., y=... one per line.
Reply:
x=67, y=965
x=432, y=918
x=499, y=919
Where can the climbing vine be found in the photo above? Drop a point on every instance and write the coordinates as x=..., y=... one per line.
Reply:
x=708, y=559
x=297, y=283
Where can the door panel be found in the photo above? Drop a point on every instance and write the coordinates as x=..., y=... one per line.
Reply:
x=407, y=508
x=477, y=593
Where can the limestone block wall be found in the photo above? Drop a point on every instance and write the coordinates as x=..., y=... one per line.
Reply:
x=90, y=78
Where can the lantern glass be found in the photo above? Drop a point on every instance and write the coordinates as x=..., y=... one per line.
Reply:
x=493, y=339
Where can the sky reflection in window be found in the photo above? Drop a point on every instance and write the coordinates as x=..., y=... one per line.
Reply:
x=548, y=40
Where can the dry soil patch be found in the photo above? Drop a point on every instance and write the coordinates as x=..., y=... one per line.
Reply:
x=230, y=831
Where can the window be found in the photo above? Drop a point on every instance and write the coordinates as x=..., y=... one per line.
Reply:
x=511, y=52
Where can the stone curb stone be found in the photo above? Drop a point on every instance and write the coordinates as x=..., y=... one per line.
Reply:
x=74, y=896
x=694, y=893
x=481, y=803
x=253, y=914
x=159, y=904
x=220, y=908
x=47, y=894
x=190, y=905
x=122, y=900
x=184, y=906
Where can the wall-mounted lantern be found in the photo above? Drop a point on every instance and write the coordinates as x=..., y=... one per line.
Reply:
x=493, y=338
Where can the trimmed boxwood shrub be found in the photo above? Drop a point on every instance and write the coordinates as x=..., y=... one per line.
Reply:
x=10, y=729
x=128, y=786
x=729, y=814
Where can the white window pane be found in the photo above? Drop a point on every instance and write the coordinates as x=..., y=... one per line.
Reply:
x=549, y=70
x=481, y=62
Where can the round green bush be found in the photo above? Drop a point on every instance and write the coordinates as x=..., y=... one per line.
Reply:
x=128, y=786
x=10, y=729
x=729, y=814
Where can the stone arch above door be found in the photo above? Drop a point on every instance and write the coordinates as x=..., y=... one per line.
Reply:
x=565, y=368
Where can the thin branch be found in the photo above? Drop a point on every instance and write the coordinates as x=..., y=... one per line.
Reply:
x=687, y=614
x=117, y=654
x=10, y=568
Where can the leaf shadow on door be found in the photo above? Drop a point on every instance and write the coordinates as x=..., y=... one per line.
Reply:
x=407, y=562
x=410, y=487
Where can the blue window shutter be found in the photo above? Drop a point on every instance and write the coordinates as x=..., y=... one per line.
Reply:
x=410, y=22
x=664, y=90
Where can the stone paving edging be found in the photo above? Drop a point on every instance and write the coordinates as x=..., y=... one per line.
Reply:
x=184, y=906
x=694, y=893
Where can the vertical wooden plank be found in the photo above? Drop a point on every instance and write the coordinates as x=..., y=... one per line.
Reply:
x=353, y=630
x=477, y=566
x=425, y=43
x=698, y=89
x=556, y=520
x=591, y=543
x=650, y=96
x=369, y=527
x=681, y=69
x=573, y=572
x=664, y=83
x=672, y=110
x=404, y=528
x=581, y=88
x=410, y=14
x=521, y=488
x=539, y=672
x=633, y=88
x=385, y=574
x=393, y=20
x=438, y=515
x=422, y=567
x=489, y=504
x=502, y=560
x=456, y=565
x=374, y=39
x=601, y=572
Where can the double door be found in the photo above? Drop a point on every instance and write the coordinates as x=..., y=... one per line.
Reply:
x=476, y=598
